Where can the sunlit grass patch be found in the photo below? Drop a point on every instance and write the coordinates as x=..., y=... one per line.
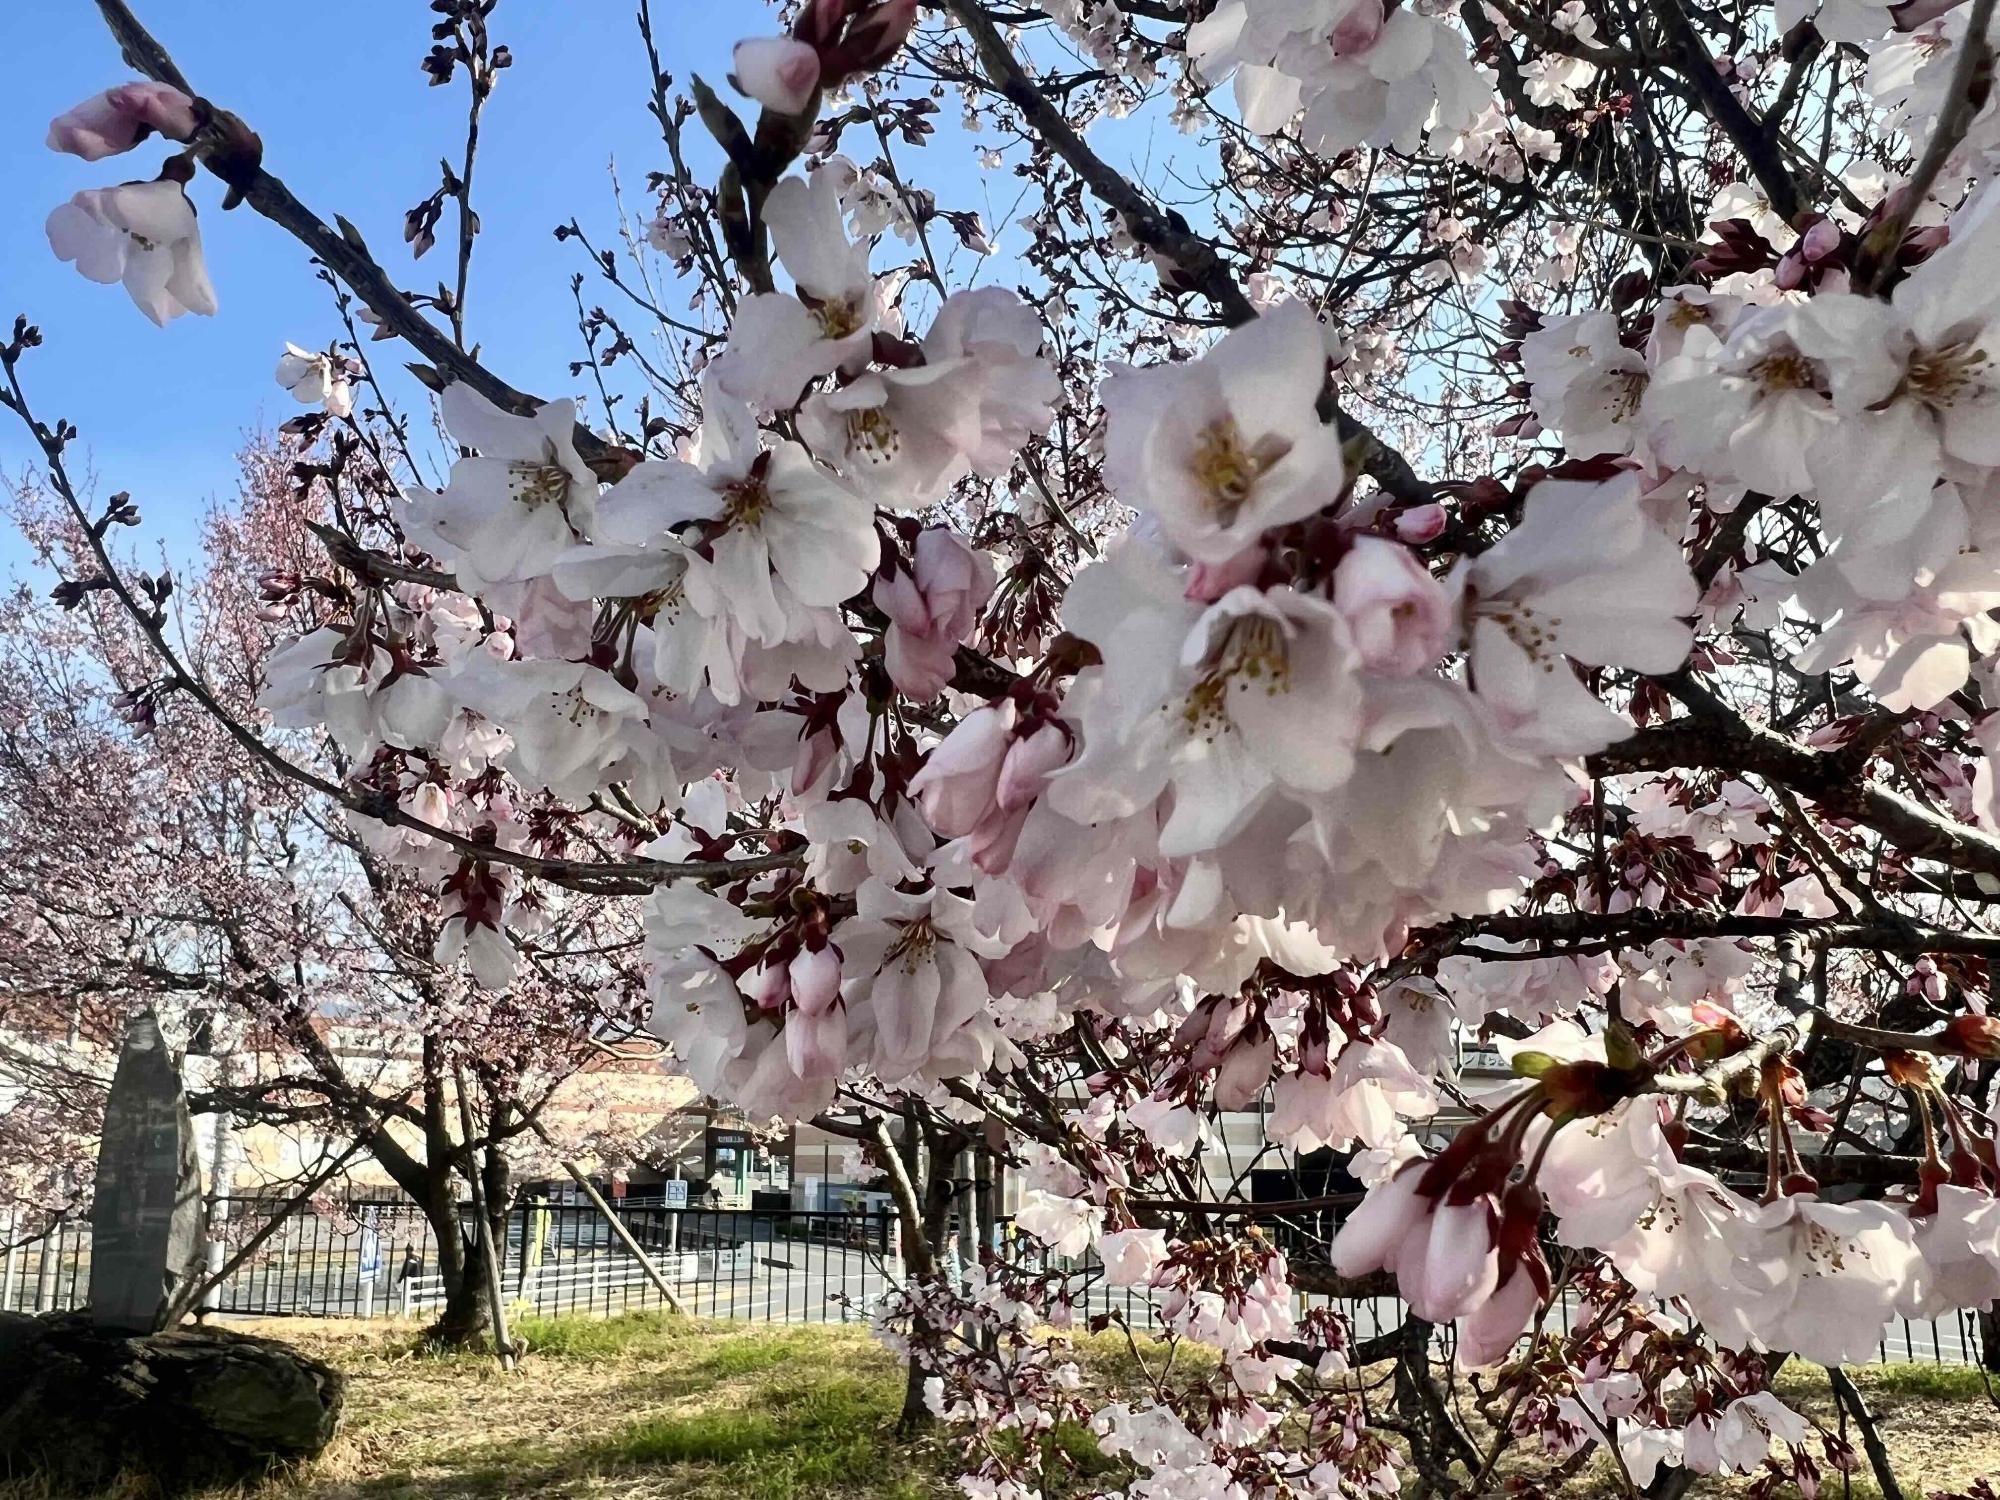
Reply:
x=775, y=1442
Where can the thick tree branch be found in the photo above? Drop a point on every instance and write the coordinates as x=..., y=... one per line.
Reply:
x=1719, y=102
x=1194, y=256
x=1577, y=932
x=1719, y=739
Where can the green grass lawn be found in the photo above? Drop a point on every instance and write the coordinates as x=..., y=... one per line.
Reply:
x=653, y=1406
x=639, y=1406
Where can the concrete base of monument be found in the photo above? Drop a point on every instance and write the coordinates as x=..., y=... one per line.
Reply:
x=80, y=1405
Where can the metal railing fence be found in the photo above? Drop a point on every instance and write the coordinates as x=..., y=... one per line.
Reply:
x=363, y=1258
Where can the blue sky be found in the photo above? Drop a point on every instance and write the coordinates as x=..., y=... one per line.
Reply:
x=356, y=130
x=353, y=131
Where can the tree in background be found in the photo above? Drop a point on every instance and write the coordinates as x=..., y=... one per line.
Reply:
x=149, y=860
x=1490, y=543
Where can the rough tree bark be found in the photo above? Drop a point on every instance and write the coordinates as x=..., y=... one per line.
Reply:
x=919, y=1167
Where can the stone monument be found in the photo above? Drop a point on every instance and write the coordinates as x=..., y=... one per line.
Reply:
x=90, y=1398
x=147, y=1227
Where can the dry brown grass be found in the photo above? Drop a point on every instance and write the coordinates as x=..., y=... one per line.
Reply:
x=649, y=1408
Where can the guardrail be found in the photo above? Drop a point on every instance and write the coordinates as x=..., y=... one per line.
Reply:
x=579, y=1286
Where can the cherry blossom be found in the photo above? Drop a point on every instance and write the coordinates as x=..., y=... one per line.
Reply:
x=981, y=390
x=1230, y=445
x=515, y=502
x=782, y=342
x=1588, y=577
x=143, y=234
x=1366, y=73
x=316, y=380
x=1586, y=384
x=778, y=72
x=1446, y=635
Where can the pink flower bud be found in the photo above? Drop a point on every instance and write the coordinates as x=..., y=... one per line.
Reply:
x=1209, y=581
x=1245, y=1071
x=1029, y=764
x=816, y=1046
x=1226, y=1021
x=1458, y=1264
x=932, y=609
x=1487, y=1334
x=1393, y=1212
x=1821, y=240
x=119, y=118
x=954, y=578
x=1358, y=29
x=1420, y=524
x=996, y=838
x=1400, y=615
x=817, y=753
x=919, y=665
x=767, y=986
x=956, y=787
x=815, y=977
x=898, y=597
x=780, y=73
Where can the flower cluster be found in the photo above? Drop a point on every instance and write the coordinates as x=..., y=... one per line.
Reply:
x=1086, y=749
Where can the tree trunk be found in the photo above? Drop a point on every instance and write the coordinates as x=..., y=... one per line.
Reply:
x=462, y=1322
x=933, y=1153
x=1435, y=1439
x=1989, y=1338
x=496, y=1177
x=922, y=1200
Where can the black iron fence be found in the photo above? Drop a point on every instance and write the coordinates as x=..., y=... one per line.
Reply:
x=368, y=1258
x=379, y=1258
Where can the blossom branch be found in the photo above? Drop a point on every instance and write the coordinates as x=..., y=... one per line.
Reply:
x=1716, y=737
x=1970, y=87
x=1719, y=102
x=343, y=252
x=607, y=878
x=1600, y=932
